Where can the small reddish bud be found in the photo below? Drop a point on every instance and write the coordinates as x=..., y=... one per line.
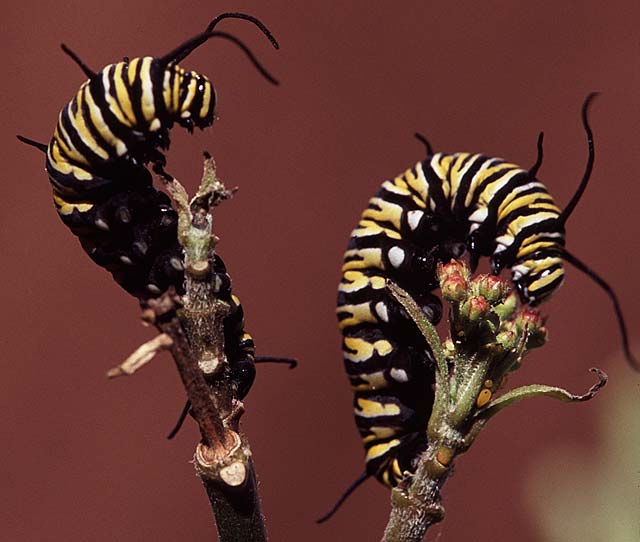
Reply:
x=507, y=339
x=531, y=322
x=474, y=308
x=529, y=319
x=451, y=269
x=491, y=287
x=454, y=288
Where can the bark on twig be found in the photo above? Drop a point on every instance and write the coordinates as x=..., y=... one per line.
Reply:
x=191, y=327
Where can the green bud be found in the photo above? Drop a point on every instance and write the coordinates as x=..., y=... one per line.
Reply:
x=492, y=288
x=507, y=339
x=451, y=269
x=507, y=308
x=474, y=308
x=454, y=288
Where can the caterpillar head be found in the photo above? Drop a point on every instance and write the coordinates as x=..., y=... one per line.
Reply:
x=537, y=278
x=197, y=101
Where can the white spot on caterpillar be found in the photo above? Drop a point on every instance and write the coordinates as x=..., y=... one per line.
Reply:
x=519, y=270
x=153, y=288
x=126, y=260
x=414, y=218
x=102, y=224
x=176, y=264
x=505, y=240
x=479, y=215
x=121, y=148
x=185, y=114
x=399, y=375
x=396, y=256
x=381, y=311
x=499, y=248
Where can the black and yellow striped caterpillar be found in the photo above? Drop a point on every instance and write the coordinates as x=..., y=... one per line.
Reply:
x=105, y=136
x=435, y=211
x=115, y=125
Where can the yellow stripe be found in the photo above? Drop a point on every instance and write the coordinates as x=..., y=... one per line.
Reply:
x=177, y=81
x=369, y=257
x=541, y=283
x=78, y=123
x=206, y=99
x=167, y=91
x=440, y=164
x=114, y=106
x=537, y=266
x=191, y=94
x=492, y=188
x=369, y=227
x=147, y=101
x=60, y=163
x=517, y=203
x=526, y=249
x=389, y=186
x=56, y=159
x=381, y=449
x=66, y=145
x=355, y=280
x=122, y=93
x=400, y=183
x=389, y=212
x=516, y=193
x=521, y=222
x=419, y=202
x=356, y=314
x=101, y=126
x=482, y=174
x=364, y=350
x=418, y=182
x=378, y=433
x=453, y=173
x=131, y=70
x=366, y=408
x=66, y=208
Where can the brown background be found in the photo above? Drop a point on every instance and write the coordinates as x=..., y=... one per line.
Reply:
x=86, y=459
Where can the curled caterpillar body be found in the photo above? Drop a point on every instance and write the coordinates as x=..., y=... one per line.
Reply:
x=446, y=205
x=430, y=213
x=118, y=122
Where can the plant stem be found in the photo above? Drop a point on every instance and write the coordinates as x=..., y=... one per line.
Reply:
x=195, y=325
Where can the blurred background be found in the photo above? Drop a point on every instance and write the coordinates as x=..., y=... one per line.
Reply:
x=87, y=459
